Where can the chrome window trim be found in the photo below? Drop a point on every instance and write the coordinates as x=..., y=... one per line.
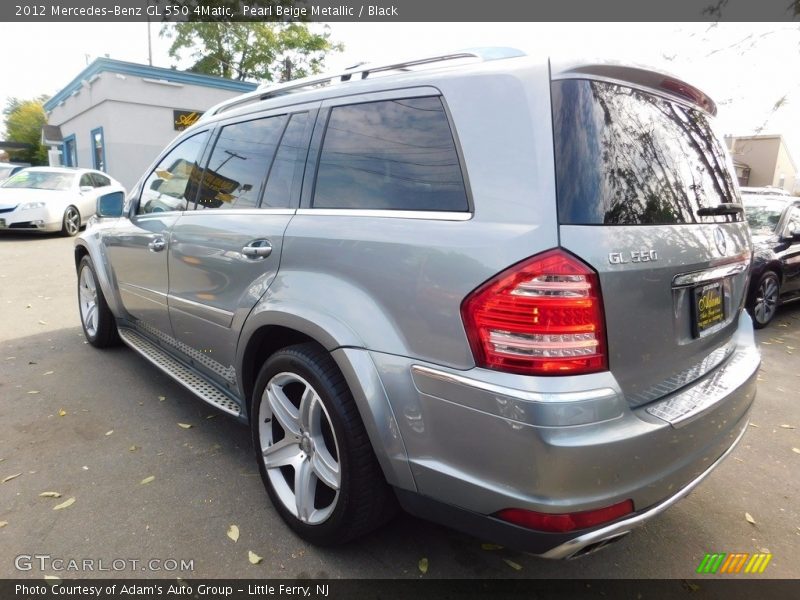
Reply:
x=430, y=215
x=240, y=211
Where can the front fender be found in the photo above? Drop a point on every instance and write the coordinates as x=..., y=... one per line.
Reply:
x=89, y=242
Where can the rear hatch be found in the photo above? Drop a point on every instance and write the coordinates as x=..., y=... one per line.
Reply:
x=646, y=197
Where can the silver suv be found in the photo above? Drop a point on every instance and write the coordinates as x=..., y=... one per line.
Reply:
x=505, y=292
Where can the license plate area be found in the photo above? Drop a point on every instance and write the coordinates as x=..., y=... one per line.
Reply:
x=708, y=307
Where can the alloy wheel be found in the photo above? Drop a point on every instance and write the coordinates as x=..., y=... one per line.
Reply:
x=72, y=221
x=87, y=297
x=299, y=448
x=766, y=302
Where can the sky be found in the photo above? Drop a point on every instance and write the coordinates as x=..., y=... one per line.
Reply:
x=745, y=67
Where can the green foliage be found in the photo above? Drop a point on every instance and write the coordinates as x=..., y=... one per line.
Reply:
x=251, y=51
x=24, y=120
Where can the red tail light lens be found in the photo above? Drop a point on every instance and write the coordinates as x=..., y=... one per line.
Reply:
x=565, y=521
x=543, y=316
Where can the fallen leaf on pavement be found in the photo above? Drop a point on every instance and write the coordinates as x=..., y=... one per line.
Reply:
x=3, y=524
x=49, y=372
x=33, y=391
x=749, y=518
x=423, y=565
x=753, y=425
x=61, y=412
x=796, y=450
x=253, y=557
x=491, y=547
x=109, y=432
x=42, y=322
x=50, y=495
x=162, y=398
x=133, y=448
x=147, y=480
x=787, y=426
x=185, y=425
x=233, y=533
x=211, y=417
x=65, y=504
x=512, y=564
x=10, y=477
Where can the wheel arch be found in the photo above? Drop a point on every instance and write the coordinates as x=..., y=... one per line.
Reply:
x=268, y=333
x=82, y=248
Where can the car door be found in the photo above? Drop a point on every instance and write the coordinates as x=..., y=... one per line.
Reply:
x=87, y=196
x=224, y=255
x=137, y=246
x=790, y=255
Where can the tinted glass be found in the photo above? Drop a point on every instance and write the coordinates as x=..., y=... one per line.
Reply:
x=86, y=180
x=238, y=167
x=100, y=180
x=173, y=183
x=626, y=157
x=291, y=155
x=397, y=154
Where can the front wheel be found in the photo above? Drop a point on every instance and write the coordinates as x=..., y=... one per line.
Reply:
x=765, y=300
x=97, y=319
x=313, y=452
x=71, y=222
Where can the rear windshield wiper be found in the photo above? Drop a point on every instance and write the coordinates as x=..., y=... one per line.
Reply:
x=726, y=208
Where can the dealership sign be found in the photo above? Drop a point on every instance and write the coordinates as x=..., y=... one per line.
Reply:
x=181, y=119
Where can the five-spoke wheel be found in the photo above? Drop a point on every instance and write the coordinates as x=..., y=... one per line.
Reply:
x=765, y=300
x=71, y=223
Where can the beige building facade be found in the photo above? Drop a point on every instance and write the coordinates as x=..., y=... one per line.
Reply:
x=763, y=160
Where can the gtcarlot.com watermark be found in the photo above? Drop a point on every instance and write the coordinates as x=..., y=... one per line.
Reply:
x=59, y=564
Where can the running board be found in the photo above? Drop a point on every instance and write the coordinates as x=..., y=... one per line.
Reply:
x=181, y=373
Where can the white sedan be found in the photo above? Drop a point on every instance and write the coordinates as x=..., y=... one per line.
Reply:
x=52, y=198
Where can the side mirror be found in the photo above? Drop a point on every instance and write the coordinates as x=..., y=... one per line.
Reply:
x=792, y=233
x=110, y=205
x=86, y=188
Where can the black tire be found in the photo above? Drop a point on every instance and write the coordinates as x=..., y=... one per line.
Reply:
x=71, y=222
x=765, y=299
x=364, y=501
x=103, y=332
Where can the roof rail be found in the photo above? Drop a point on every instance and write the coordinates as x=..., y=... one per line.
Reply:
x=360, y=71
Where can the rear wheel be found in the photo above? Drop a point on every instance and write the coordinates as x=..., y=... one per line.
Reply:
x=97, y=319
x=313, y=452
x=71, y=223
x=765, y=299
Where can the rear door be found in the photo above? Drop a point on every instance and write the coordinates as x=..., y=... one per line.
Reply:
x=645, y=196
x=225, y=254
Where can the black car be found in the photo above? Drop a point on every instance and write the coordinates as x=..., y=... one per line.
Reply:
x=775, y=277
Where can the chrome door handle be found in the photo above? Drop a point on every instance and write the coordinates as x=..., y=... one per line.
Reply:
x=257, y=249
x=157, y=245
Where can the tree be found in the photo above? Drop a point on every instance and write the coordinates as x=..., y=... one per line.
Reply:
x=23, y=123
x=259, y=51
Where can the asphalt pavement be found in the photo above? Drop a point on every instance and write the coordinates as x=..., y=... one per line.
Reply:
x=96, y=426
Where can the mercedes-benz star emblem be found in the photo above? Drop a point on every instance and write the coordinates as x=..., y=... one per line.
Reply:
x=719, y=239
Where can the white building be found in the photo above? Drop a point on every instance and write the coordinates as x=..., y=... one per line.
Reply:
x=117, y=116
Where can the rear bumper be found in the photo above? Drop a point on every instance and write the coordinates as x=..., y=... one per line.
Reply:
x=543, y=544
x=479, y=442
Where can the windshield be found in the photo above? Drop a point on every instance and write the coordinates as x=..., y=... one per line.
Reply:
x=762, y=213
x=41, y=180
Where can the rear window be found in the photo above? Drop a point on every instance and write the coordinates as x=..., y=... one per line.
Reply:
x=626, y=157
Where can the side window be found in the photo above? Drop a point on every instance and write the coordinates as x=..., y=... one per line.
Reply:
x=173, y=183
x=238, y=167
x=86, y=181
x=290, y=156
x=793, y=226
x=396, y=154
x=100, y=180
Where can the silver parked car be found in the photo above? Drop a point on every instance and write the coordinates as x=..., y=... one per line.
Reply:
x=503, y=291
x=52, y=198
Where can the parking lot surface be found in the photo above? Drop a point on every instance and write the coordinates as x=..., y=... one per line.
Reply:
x=97, y=425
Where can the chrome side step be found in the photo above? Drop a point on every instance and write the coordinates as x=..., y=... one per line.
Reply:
x=182, y=374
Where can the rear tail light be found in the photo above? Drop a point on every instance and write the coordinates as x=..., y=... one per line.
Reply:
x=565, y=521
x=543, y=316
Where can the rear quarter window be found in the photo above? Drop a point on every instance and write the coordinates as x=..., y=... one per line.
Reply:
x=627, y=157
x=390, y=155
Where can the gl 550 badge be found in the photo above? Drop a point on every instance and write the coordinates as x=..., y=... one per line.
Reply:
x=636, y=256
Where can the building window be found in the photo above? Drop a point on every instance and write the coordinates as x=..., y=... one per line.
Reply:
x=98, y=149
x=70, y=151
